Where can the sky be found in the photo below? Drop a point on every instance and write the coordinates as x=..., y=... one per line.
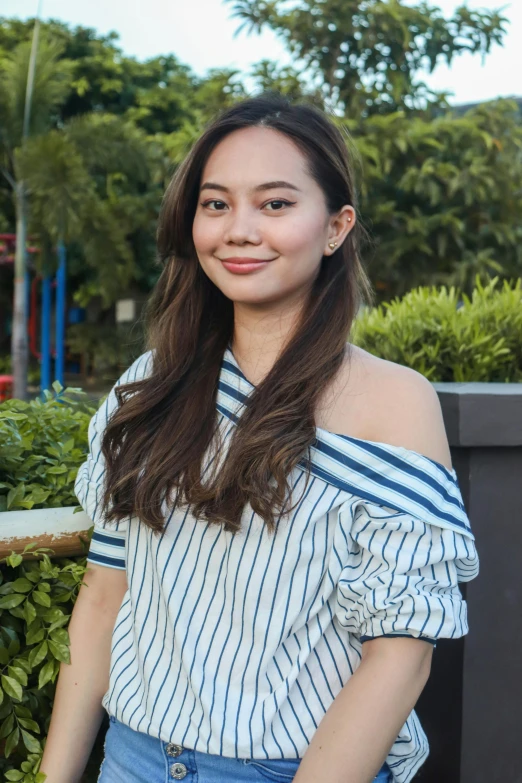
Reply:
x=201, y=34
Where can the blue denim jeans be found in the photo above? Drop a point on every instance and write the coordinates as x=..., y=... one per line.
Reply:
x=134, y=757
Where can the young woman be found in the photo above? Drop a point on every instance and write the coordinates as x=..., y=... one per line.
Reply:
x=278, y=530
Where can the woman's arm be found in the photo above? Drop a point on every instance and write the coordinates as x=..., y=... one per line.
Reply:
x=358, y=730
x=77, y=710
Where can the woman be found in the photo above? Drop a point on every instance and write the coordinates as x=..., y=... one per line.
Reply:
x=279, y=532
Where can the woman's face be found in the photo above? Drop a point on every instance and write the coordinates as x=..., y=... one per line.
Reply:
x=261, y=225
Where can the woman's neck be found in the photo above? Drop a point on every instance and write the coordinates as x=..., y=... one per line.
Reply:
x=260, y=336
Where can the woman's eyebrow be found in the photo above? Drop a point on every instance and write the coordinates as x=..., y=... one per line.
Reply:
x=280, y=183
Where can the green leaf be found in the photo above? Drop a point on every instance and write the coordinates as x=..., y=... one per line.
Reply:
x=14, y=774
x=59, y=622
x=12, y=741
x=12, y=687
x=14, y=560
x=21, y=711
x=7, y=726
x=4, y=656
x=60, y=651
x=46, y=673
x=44, y=587
x=35, y=633
x=29, y=612
x=12, y=416
x=41, y=598
x=17, y=612
x=38, y=654
x=22, y=585
x=18, y=674
x=10, y=601
x=60, y=635
x=30, y=742
x=15, y=495
x=29, y=724
x=68, y=445
x=24, y=664
x=52, y=615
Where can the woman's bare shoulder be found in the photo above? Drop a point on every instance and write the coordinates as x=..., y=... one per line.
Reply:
x=379, y=400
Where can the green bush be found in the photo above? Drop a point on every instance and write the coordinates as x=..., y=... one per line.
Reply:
x=36, y=602
x=43, y=444
x=447, y=336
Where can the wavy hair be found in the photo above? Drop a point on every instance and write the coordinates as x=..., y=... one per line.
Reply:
x=155, y=443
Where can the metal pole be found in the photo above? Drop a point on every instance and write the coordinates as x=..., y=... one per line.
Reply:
x=60, y=315
x=19, y=342
x=45, y=346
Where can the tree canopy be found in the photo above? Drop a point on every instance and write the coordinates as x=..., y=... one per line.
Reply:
x=441, y=190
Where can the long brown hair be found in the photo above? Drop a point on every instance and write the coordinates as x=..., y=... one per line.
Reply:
x=155, y=443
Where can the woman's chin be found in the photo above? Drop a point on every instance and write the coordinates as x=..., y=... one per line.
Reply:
x=254, y=295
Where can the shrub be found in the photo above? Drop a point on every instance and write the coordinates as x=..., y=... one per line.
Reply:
x=43, y=444
x=447, y=336
x=36, y=601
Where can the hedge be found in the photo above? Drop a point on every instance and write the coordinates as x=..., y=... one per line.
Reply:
x=43, y=444
x=448, y=336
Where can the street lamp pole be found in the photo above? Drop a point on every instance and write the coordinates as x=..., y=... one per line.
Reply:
x=20, y=343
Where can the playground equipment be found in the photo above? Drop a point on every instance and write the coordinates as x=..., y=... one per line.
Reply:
x=46, y=351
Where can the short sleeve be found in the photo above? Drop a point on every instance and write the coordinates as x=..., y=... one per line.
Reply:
x=107, y=546
x=402, y=572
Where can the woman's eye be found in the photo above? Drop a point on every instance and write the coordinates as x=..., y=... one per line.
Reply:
x=277, y=204
x=281, y=203
x=214, y=201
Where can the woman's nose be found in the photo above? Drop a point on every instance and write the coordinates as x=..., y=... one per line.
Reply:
x=242, y=226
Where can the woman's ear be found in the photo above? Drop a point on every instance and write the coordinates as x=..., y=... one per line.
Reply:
x=339, y=227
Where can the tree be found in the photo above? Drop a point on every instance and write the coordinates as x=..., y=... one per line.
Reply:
x=441, y=197
x=51, y=84
x=370, y=55
x=88, y=183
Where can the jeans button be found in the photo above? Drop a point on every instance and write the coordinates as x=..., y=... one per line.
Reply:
x=173, y=750
x=178, y=770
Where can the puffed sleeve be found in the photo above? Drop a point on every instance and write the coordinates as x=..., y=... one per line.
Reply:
x=402, y=571
x=107, y=546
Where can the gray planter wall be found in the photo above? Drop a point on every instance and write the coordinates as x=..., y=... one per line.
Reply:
x=472, y=706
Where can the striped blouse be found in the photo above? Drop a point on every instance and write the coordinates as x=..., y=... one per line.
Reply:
x=237, y=645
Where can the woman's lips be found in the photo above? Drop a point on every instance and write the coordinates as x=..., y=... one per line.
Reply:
x=242, y=266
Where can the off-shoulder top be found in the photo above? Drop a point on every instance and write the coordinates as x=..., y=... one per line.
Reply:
x=238, y=644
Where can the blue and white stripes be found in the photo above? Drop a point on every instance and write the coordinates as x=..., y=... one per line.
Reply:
x=237, y=645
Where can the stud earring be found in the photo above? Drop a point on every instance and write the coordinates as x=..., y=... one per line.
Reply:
x=331, y=245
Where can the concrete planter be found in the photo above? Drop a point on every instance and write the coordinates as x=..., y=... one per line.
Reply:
x=57, y=528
